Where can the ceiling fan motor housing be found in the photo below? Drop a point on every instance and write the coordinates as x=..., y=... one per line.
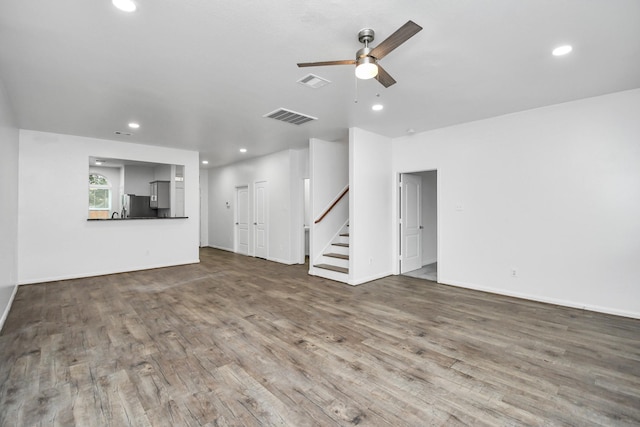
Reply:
x=366, y=35
x=363, y=53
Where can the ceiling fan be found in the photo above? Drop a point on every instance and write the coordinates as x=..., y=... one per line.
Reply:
x=367, y=58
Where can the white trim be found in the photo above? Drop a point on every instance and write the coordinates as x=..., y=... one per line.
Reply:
x=236, y=222
x=282, y=261
x=255, y=218
x=222, y=248
x=370, y=278
x=554, y=301
x=9, y=304
x=278, y=260
x=104, y=273
x=336, y=276
x=397, y=223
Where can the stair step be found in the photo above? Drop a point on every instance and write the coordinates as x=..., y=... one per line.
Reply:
x=344, y=245
x=344, y=234
x=333, y=268
x=334, y=255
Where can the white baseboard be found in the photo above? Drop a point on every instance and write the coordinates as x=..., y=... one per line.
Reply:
x=278, y=260
x=282, y=261
x=8, y=307
x=370, y=278
x=222, y=248
x=555, y=301
x=104, y=273
x=429, y=261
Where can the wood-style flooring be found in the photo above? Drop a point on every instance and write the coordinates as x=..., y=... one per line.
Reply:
x=239, y=341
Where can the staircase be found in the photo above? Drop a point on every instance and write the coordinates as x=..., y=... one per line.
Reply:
x=336, y=256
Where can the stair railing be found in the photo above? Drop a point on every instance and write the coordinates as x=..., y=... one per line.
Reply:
x=333, y=205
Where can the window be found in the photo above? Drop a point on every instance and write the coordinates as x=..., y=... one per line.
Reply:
x=99, y=196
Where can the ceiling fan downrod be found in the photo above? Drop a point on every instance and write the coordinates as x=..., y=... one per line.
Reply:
x=366, y=66
x=366, y=36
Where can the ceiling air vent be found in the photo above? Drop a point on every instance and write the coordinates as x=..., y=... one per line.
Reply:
x=313, y=81
x=289, y=116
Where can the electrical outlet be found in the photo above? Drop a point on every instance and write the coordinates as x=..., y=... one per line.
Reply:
x=514, y=272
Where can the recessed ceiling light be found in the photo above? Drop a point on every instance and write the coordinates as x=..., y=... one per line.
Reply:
x=205, y=162
x=243, y=150
x=133, y=125
x=377, y=107
x=562, y=50
x=125, y=5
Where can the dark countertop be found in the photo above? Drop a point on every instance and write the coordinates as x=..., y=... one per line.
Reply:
x=135, y=218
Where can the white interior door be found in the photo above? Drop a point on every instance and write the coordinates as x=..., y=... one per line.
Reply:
x=411, y=216
x=242, y=220
x=260, y=224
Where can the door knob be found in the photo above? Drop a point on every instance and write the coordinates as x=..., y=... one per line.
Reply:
x=237, y=223
x=421, y=227
x=255, y=223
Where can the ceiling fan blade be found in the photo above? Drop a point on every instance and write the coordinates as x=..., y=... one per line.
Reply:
x=318, y=64
x=384, y=78
x=401, y=35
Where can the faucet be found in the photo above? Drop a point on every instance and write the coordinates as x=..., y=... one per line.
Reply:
x=114, y=214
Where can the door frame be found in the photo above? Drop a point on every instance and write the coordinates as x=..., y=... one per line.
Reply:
x=398, y=222
x=403, y=218
x=236, y=227
x=266, y=218
x=306, y=219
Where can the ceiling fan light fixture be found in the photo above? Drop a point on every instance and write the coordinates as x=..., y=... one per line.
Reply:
x=366, y=68
x=125, y=5
x=562, y=50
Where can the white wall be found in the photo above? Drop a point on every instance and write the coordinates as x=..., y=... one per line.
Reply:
x=55, y=239
x=370, y=199
x=137, y=179
x=162, y=173
x=330, y=168
x=329, y=172
x=553, y=193
x=8, y=205
x=284, y=232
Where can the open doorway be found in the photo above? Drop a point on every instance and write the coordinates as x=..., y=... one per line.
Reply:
x=418, y=201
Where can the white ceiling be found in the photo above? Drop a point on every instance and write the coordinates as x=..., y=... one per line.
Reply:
x=200, y=74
